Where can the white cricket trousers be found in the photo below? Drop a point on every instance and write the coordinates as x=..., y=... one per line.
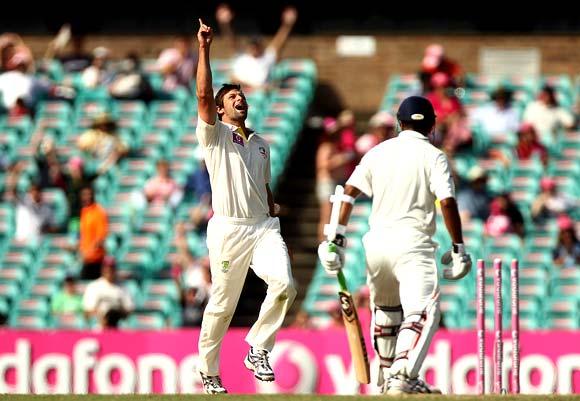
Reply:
x=401, y=272
x=234, y=246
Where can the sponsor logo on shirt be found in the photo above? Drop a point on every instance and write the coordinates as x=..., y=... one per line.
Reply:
x=262, y=151
x=225, y=266
x=237, y=138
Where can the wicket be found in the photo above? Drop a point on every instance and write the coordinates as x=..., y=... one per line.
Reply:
x=498, y=329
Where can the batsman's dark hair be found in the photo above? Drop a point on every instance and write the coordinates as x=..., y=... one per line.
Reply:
x=219, y=97
x=424, y=127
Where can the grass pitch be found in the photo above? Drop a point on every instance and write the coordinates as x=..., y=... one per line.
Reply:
x=280, y=397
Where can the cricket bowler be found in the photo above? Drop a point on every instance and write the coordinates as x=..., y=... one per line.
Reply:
x=244, y=230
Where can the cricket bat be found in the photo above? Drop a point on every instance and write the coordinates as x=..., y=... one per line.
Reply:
x=356, y=341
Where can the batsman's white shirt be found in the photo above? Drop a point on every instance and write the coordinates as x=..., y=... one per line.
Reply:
x=240, y=235
x=404, y=176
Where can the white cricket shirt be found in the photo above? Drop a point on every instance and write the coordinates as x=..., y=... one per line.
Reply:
x=404, y=175
x=102, y=295
x=238, y=168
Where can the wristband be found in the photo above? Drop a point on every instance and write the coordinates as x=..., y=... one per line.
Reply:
x=458, y=248
x=340, y=240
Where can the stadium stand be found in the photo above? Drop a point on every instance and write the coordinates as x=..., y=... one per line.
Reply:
x=549, y=293
x=141, y=240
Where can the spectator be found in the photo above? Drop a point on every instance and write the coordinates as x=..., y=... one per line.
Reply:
x=253, y=66
x=474, y=200
x=13, y=173
x=499, y=117
x=504, y=218
x=106, y=301
x=193, y=281
x=168, y=65
x=335, y=313
x=198, y=183
x=382, y=127
x=77, y=59
x=46, y=158
x=178, y=64
x=99, y=72
x=76, y=178
x=302, y=320
x=162, y=189
x=10, y=45
x=546, y=115
x=130, y=83
x=93, y=232
x=33, y=217
x=345, y=124
x=19, y=87
x=451, y=130
x=550, y=203
x=67, y=300
x=102, y=143
x=435, y=61
x=567, y=251
x=528, y=145
x=330, y=169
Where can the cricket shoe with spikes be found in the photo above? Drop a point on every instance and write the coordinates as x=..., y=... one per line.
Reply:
x=212, y=384
x=401, y=384
x=257, y=362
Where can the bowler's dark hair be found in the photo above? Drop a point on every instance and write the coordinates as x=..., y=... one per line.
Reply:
x=219, y=97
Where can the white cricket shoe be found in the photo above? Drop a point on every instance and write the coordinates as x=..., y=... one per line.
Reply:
x=401, y=384
x=257, y=362
x=212, y=384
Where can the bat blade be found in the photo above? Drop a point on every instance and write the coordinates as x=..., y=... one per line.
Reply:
x=356, y=342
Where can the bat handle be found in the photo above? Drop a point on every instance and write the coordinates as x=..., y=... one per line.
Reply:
x=342, y=281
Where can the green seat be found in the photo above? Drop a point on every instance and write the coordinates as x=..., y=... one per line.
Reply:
x=52, y=274
x=196, y=244
x=17, y=259
x=162, y=289
x=136, y=264
x=129, y=108
x=507, y=244
x=452, y=312
x=55, y=108
x=146, y=321
x=57, y=199
x=16, y=275
x=528, y=168
x=22, y=125
x=567, y=168
x=57, y=127
x=34, y=307
x=9, y=141
x=10, y=292
x=30, y=322
x=534, y=290
x=69, y=321
x=133, y=289
x=562, y=313
x=44, y=290
x=533, y=275
x=4, y=308
x=570, y=276
x=162, y=306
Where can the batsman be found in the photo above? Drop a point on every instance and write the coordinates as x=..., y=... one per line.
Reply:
x=404, y=176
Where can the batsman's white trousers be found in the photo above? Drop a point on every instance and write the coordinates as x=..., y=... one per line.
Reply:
x=234, y=246
x=401, y=270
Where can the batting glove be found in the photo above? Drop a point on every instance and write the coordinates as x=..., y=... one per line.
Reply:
x=331, y=254
x=460, y=262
